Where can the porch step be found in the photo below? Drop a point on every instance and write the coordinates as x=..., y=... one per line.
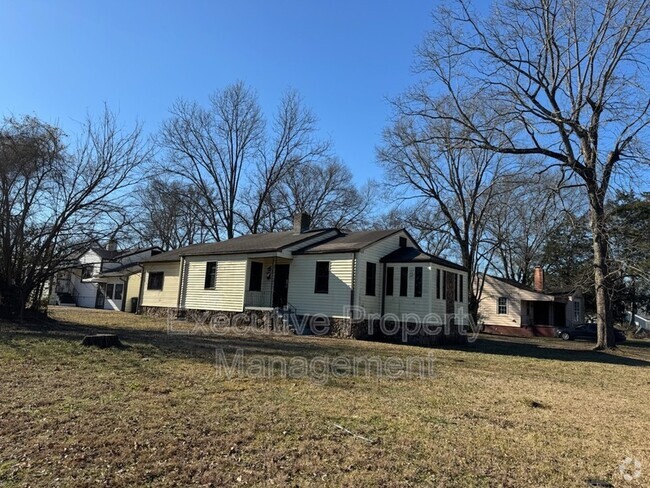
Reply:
x=291, y=323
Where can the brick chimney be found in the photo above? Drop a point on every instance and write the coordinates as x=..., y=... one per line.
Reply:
x=301, y=222
x=111, y=245
x=538, y=279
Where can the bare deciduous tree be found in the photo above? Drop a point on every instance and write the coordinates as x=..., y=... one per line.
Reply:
x=56, y=200
x=562, y=79
x=213, y=148
x=169, y=214
x=459, y=183
x=327, y=193
x=293, y=144
x=529, y=210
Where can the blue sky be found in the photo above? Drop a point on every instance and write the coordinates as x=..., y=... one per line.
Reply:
x=64, y=59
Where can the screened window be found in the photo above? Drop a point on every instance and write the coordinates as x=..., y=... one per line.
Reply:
x=109, y=290
x=576, y=311
x=390, y=281
x=502, y=306
x=210, y=275
x=403, y=281
x=322, y=284
x=155, y=281
x=371, y=279
x=255, y=279
x=417, y=291
x=119, y=289
x=87, y=271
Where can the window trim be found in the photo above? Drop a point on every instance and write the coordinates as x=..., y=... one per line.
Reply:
x=503, y=306
x=121, y=286
x=417, y=282
x=257, y=284
x=390, y=281
x=210, y=282
x=404, y=281
x=321, y=279
x=150, y=278
x=371, y=279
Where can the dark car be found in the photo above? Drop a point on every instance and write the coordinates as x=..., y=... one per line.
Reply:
x=584, y=331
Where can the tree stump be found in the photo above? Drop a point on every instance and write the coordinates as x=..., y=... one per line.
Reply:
x=102, y=340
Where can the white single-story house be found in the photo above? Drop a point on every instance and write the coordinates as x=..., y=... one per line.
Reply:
x=102, y=277
x=510, y=308
x=328, y=272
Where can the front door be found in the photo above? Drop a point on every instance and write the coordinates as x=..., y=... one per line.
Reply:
x=281, y=285
x=101, y=295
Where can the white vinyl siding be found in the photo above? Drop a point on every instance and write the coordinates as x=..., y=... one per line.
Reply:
x=302, y=275
x=228, y=294
x=427, y=303
x=132, y=290
x=168, y=296
x=373, y=254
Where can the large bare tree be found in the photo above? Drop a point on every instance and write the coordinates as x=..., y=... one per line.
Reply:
x=562, y=79
x=212, y=148
x=327, y=193
x=459, y=183
x=55, y=200
x=530, y=209
x=169, y=214
x=293, y=144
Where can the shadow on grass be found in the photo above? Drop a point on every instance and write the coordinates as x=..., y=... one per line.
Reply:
x=548, y=348
x=202, y=347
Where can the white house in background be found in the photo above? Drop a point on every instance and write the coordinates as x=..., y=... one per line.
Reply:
x=510, y=308
x=308, y=272
x=102, y=278
x=641, y=322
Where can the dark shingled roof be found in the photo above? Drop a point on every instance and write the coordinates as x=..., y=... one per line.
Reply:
x=248, y=244
x=413, y=255
x=349, y=242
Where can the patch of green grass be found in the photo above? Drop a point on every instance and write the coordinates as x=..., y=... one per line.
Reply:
x=501, y=412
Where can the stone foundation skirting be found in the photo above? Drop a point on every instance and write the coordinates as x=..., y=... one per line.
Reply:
x=398, y=333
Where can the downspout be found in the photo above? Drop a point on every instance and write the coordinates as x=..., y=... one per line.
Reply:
x=383, y=289
x=352, y=289
x=181, y=279
x=124, y=292
x=141, y=291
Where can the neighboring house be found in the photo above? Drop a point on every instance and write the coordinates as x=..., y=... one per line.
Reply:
x=641, y=322
x=102, y=278
x=510, y=308
x=307, y=272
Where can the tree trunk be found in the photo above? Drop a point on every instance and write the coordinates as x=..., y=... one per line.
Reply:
x=604, y=317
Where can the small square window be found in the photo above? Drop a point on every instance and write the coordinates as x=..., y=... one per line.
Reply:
x=155, y=281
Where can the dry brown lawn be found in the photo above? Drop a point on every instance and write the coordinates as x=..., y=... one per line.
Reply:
x=162, y=412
